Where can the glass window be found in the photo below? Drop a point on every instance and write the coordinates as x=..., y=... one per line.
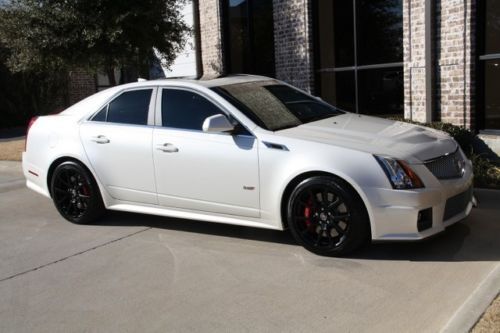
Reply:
x=238, y=35
x=489, y=70
x=101, y=115
x=131, y=107
x=336, y=40
x=338, y=88
x=275, y=106
x=344, y=73
x=379, y=31
x=185, y=110
x=381, y=91
x=250, y=37
x=491, y=95
x=492, y=33
x=262, y=37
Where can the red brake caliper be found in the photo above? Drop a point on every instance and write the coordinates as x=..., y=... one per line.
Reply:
x=307, y=213
x=85, y=190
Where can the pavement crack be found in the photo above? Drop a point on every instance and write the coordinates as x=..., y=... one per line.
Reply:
x=75, y=254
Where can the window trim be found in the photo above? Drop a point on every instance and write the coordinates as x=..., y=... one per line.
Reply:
x=158, y=121
x=151, y=109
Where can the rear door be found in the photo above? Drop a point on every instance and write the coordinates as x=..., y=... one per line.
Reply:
x=118, y=143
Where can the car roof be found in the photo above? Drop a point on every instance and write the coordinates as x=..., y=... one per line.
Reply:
x=220, y=81
x=102, y=96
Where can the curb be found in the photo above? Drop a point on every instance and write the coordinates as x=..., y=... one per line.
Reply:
x=464, y=319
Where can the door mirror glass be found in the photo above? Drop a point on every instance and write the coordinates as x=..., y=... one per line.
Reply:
x=217, y=124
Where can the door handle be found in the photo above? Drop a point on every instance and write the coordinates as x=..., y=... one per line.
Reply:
x=168, y=148
x=100, y=139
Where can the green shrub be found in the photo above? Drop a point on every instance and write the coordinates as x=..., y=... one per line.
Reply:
x=486, y=174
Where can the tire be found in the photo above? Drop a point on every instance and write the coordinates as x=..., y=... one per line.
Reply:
x=75, y=193
x=327, y=217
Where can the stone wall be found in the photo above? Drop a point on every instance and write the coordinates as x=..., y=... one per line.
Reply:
x=211, y=38
x=293, y=38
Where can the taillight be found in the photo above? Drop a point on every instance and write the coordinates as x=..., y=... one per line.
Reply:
x=31, y=122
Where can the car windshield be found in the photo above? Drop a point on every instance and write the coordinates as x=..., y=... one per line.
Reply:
x=275, y=106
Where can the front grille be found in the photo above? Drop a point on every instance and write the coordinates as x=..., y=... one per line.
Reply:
x=447, y=166
x=457, y=204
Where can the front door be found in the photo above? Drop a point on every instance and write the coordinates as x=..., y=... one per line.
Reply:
x=203, y=171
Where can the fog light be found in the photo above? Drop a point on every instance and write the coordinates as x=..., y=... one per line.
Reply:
x=424, y=219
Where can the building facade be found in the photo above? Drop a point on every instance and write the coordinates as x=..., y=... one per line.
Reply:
x=426, y=60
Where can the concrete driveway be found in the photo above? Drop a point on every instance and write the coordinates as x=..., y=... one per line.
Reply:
x=139, y=273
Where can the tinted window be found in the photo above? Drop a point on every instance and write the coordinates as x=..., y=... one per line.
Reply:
x=336, y=40
x=492, y=33
x=185, y=110
x=492, y=97
x=344, y=74
x=338, y=89
x=489, y=71
x=275, y=106
x=380, y=31
x=131, y=107
x=250, y=36
x=381, y=91
x=101, y=115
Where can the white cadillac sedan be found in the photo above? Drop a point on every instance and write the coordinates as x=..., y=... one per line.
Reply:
x=250, y=151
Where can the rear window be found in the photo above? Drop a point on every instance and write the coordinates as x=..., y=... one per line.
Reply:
x=131, y=107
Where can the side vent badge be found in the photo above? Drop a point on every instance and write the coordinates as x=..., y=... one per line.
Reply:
x=272, y=145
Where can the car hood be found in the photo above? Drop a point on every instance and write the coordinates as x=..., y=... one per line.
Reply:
x=376, y=136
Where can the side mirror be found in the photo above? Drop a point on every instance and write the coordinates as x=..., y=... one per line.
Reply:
x=217, y=123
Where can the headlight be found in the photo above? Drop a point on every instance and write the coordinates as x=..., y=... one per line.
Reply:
x=399, y=173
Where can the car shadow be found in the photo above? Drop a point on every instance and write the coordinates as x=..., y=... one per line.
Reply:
x=477, y=238
x=114, y=218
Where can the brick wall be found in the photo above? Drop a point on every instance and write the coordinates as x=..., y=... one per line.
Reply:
x=293, y=38
x=414, y=59
x=81, y=84
x=454, y=69
x=211, y=38
x=454, y=60
x=455, y=53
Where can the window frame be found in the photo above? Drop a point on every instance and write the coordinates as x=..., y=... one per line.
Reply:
x=158, y=119
x=355, y=68
x=151, y=110
x=481, y=57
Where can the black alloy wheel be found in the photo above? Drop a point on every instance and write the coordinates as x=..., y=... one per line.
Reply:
x=76, y=194
x=327, y=217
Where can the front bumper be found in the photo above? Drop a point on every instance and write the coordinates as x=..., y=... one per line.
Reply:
x=395, y=213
